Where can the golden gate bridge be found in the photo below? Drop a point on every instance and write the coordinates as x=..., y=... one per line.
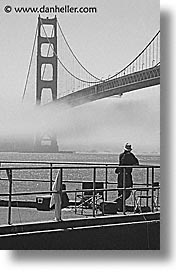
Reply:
x=60, y=72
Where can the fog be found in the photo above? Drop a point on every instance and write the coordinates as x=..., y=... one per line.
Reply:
x=101, y=125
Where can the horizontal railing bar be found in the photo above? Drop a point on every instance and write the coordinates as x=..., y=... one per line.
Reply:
x=29, y=193
x=112, y=189
x=86, y=163
x=108, y=182
x=40, y=180
x=35, y=180
x=51, y=162
x=65, y=181
x=54, y=163
x=35, y=168
x=60, y=162
x=40, y=162
x=76, y=167
x=80, y=190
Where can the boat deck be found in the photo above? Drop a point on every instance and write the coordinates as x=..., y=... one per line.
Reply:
x=27, y=222
x=28, y=215
x=134, y=231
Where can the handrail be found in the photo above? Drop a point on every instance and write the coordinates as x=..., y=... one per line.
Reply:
x=78, y=167
x=136, y=186
x=62, y=162
x=80, y=190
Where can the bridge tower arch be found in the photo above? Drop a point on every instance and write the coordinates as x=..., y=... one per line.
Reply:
x=42, y=60
x=41, y=84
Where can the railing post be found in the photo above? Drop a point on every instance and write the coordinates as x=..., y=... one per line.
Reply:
x=94, y=181
x=82, y=206
x=106, y=183
x=9, y=175
x=51, y=177
x=75, y=202
x=147, y=186
x=124, y=190
x=152, y=189
x=60, y=208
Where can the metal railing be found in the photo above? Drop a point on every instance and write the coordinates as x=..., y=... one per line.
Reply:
x=148, y=186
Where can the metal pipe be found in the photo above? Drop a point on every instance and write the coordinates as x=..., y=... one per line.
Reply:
x=94, y=182
x=124, y=191
x=152, y=189
x=26, y=180
x=82, y=210
x=150, y=186
x=72, y=191
x=51, y=177
x=75, y=201
x=78, y=167
x=106, y=183
x=9, y=175
x=60, y=209
x=147, y=186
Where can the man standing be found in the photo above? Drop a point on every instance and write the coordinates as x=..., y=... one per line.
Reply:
x=125, y=158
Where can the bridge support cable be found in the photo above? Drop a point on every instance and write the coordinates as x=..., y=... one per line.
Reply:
x=73, y=76
x=147, y=58
x=70, y=82
x=85, y=81
x=77, y=77
x=59, y=26
x=30, y=63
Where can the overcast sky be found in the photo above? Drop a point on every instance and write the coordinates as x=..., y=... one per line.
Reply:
x=104, y=42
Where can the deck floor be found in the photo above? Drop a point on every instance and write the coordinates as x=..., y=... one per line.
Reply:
x=27, y=215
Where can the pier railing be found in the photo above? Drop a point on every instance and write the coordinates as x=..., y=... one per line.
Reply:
x=12, y=173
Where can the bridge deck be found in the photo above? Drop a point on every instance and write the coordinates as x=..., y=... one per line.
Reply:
x=117, y=86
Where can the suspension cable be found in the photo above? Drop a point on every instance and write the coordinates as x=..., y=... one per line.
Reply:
x=30, y=63
x=74, y=54
x=89, y=82
x=101, y=81
x=135, y=58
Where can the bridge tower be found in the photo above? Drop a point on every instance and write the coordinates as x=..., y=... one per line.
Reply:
x=41, y=84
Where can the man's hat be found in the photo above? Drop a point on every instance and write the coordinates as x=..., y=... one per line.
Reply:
x=127, y=147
